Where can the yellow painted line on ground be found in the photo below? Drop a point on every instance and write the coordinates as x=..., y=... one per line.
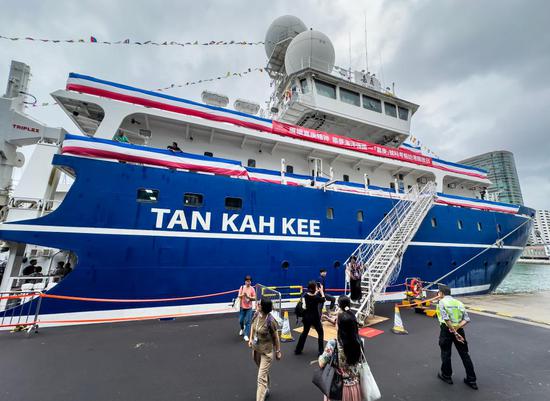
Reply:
x=505, y=314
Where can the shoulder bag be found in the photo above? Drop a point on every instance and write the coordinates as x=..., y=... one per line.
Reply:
x=328, y=380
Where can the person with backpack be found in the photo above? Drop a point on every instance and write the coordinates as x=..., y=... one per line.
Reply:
x=311, y=316
x=264, y=340
x=347, y=350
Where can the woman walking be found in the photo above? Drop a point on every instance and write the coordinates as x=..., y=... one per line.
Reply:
x=354, y=272
x=312, y=317
x=263, y=338
x=348, y=347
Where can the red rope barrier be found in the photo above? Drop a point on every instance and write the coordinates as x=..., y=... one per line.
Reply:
x=116, y=319
x=71, y=298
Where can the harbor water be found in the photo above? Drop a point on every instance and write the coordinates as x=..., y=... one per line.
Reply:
x=526, y=278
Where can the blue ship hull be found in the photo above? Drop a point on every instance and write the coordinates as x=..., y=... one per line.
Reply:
x=124, y=253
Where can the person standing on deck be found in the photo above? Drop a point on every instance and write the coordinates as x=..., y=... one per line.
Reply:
x=247, y=294
x=452, y=318
x=354, y=271
x=120, y=137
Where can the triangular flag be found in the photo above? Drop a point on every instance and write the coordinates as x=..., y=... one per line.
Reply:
x=93, y=40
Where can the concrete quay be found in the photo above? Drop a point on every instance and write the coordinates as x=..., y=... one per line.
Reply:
x=203, y=358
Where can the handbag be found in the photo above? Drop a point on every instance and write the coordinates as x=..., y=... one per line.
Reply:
x=299, y=309
x=369, y=388
x=328, y=380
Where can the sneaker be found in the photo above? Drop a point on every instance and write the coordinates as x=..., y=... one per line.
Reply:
x=245, y=338
x=447, y=380
x=471, y=384
x=241, y=332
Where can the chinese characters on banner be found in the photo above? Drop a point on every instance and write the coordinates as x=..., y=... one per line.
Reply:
x=349, y=143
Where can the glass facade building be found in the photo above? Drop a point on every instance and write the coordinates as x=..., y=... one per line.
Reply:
x=502, y=173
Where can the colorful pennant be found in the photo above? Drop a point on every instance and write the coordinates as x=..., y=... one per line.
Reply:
x=94, y=40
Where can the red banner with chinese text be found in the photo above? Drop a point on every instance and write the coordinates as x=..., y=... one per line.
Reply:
x=349, y=143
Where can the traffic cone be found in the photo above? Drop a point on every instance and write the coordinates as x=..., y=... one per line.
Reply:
x=286, y=334
x=398, y=327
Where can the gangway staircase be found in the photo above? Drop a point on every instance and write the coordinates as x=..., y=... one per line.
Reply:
x=381, y=252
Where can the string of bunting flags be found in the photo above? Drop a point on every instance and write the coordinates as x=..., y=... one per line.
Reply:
x=94, y=40
x=229, y=74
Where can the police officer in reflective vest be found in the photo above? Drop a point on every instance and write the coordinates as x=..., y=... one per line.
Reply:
x=452, y=318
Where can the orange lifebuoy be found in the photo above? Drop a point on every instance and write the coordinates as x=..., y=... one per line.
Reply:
x=415, y=287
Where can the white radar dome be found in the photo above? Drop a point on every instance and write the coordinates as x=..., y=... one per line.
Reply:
x=310, y=49
x=285, y=27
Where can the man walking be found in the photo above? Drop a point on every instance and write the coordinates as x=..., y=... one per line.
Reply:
x=247, y=294
x=452, y=318
x=321, y=281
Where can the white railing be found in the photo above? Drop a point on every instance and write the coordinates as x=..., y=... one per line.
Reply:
x=381, y=252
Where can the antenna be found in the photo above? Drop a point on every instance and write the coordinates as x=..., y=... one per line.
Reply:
x=366, y=47
x=349, y=36
x=382, y=70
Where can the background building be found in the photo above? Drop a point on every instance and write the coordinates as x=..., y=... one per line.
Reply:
x=541, y=228
x=502, y=173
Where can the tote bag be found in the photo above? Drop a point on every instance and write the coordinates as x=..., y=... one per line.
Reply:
x=329, y=380
x=369, y=388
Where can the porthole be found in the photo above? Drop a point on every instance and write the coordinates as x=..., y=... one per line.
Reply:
x=233, y=203
x=453, y=263
x=147, y=195
x=336, y=264
x=285, y=264
x=192, y=200
x=429, y=264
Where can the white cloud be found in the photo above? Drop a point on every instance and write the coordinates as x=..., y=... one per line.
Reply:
x=478, y=70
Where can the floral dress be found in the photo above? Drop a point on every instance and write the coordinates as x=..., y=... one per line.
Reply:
x=350, y=373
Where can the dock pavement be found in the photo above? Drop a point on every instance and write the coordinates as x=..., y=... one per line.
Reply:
x=203, y=358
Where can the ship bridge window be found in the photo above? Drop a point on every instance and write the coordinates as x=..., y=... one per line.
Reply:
x=403, y=113
x=372, y=104
x=325, y=89
x=147, y=195
x=233, y=203
x=251, y=163
x=209, y=154
x=304, y=85
x=289, y=169
x=390, y=109
x=194, y=200
x=346, y=178
x=350, y=97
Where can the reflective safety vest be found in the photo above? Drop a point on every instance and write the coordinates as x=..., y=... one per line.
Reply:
x=454, y=309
